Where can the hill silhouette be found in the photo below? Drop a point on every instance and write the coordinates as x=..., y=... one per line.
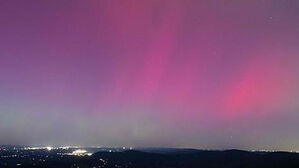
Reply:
x=147, y=158
x=198, y=158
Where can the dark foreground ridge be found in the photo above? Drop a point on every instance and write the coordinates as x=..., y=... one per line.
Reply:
x=149, y=158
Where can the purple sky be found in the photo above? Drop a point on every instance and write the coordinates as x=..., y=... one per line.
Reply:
x=171, y=73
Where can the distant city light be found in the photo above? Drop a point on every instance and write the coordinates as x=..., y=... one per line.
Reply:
x=49, y=148
x=79, y=151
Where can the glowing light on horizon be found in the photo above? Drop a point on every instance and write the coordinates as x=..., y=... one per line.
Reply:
x=79, y=152
x=49, y=148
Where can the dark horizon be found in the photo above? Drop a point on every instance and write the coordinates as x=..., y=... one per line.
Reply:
x=142, y=158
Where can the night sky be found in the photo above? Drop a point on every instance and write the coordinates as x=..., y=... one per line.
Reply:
x=173, y=73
